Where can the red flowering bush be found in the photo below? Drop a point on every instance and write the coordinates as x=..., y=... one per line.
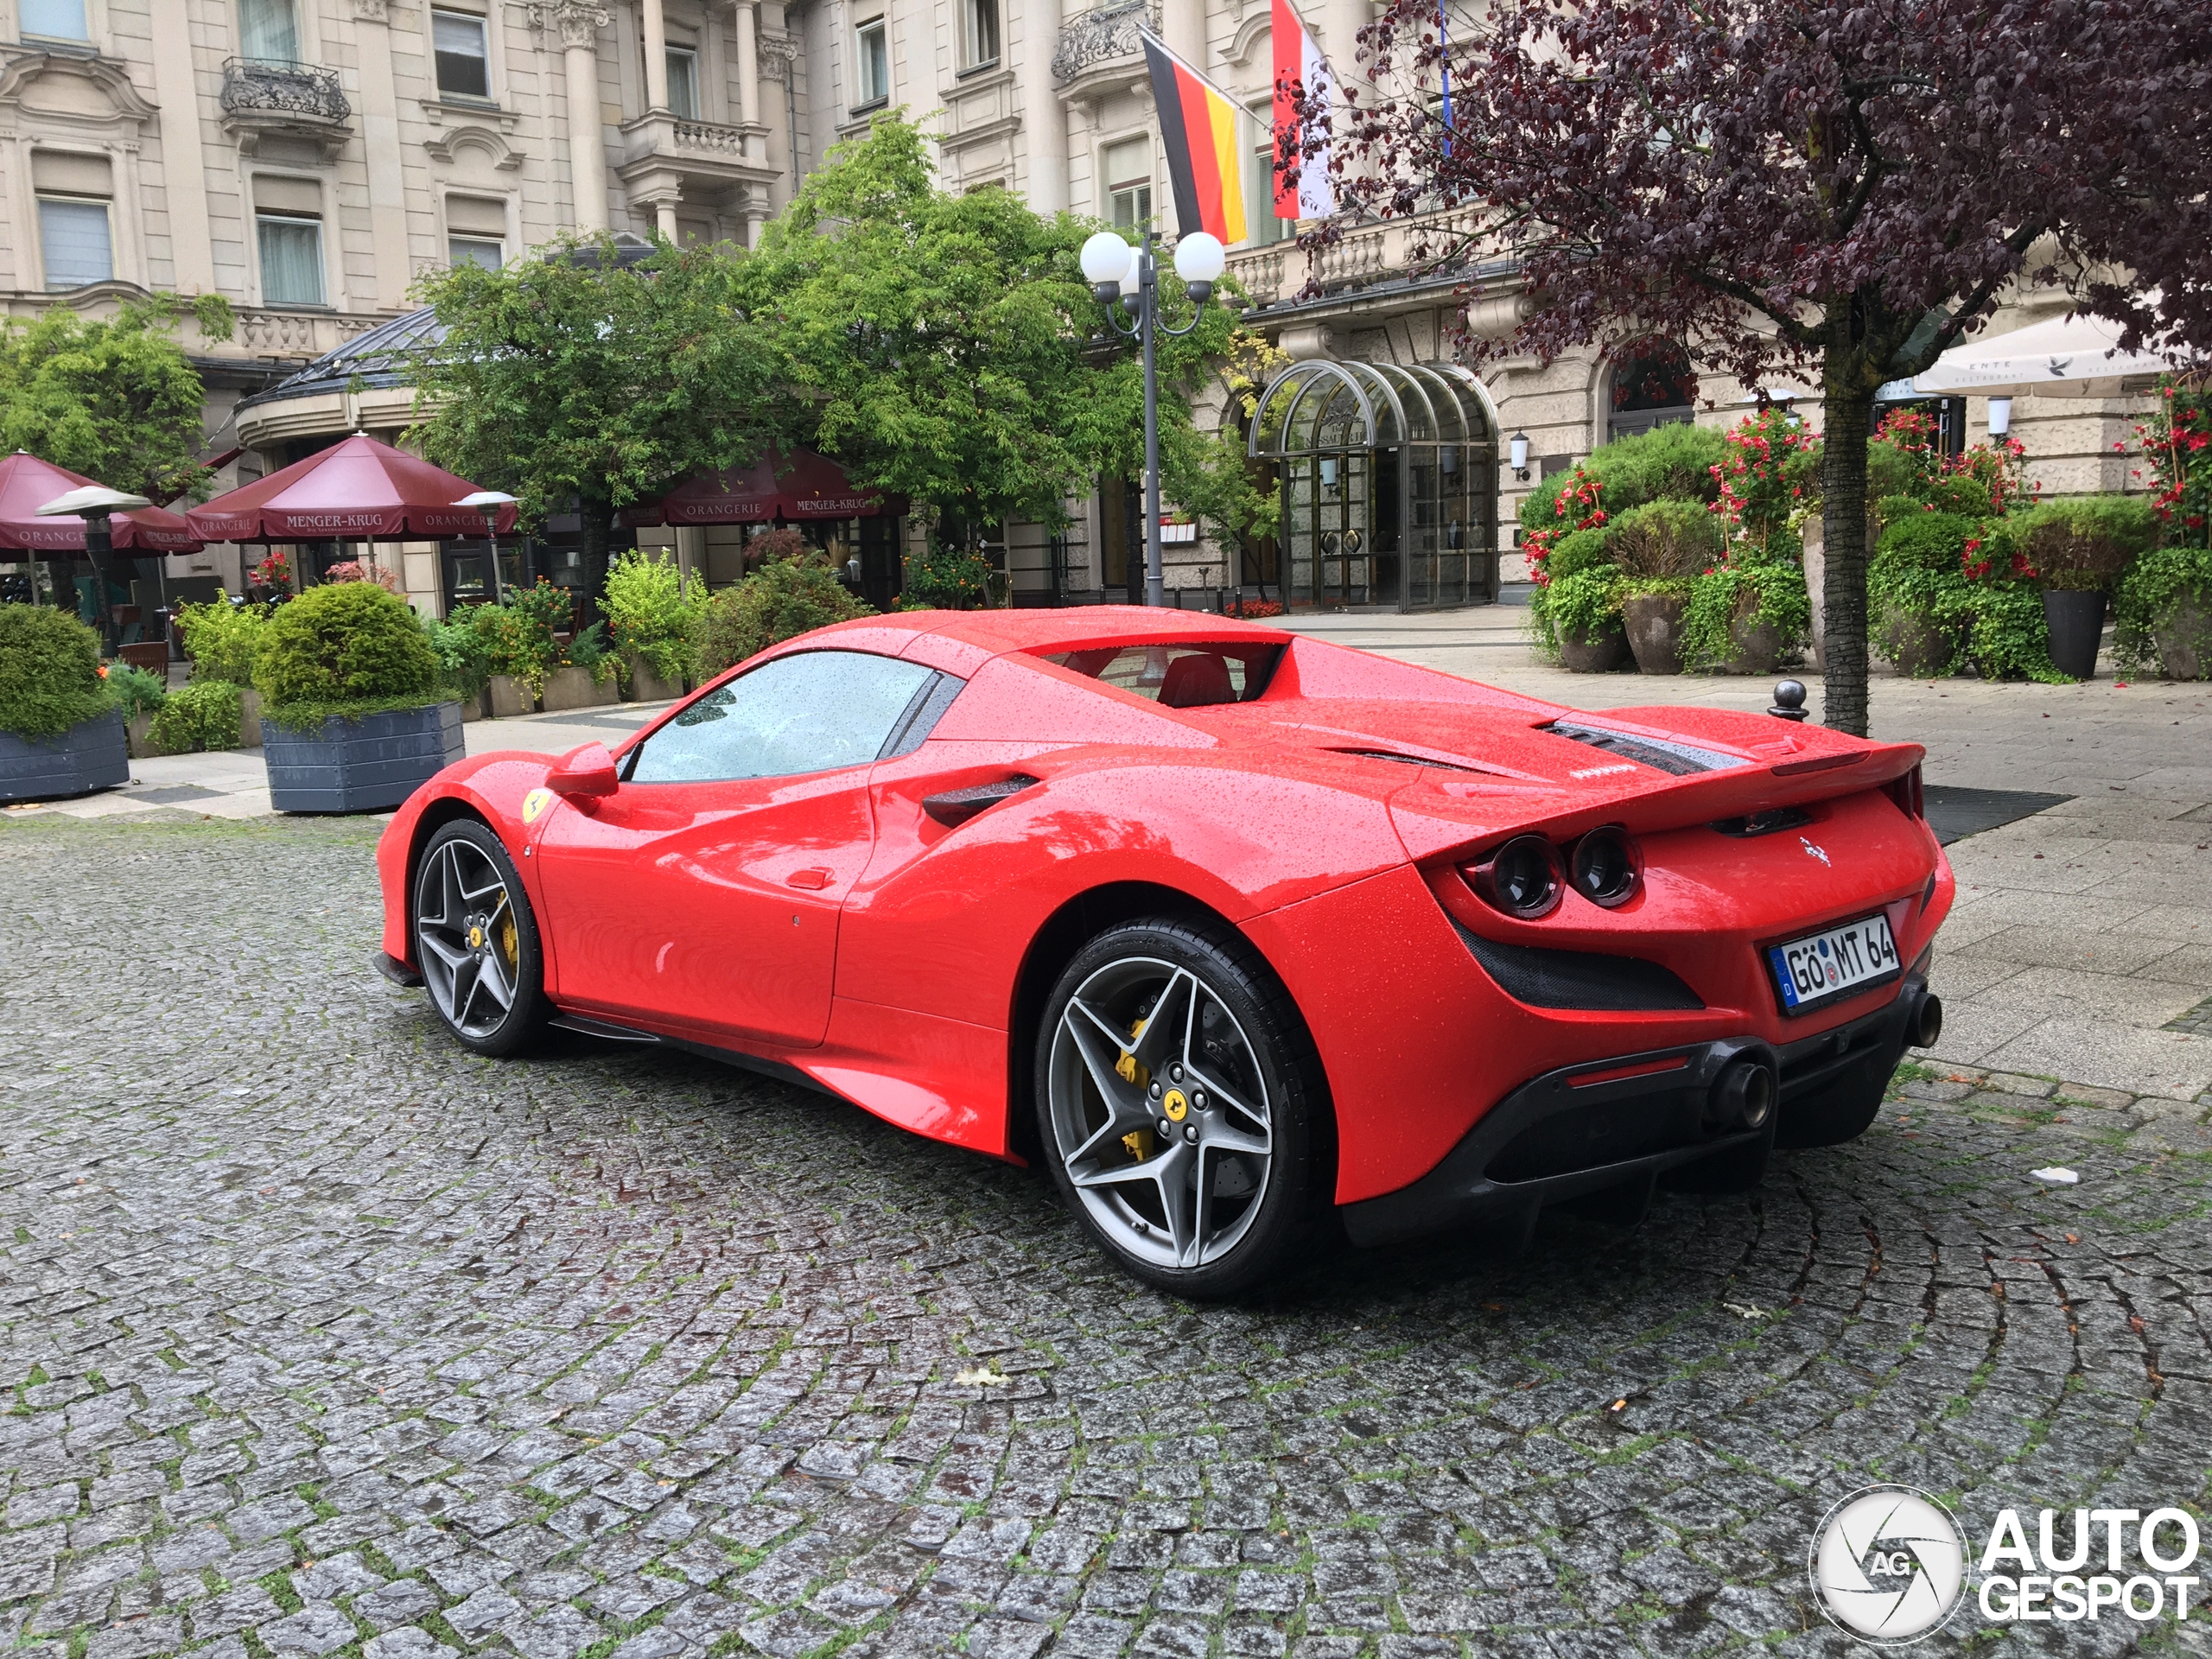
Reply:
x=2172, y=443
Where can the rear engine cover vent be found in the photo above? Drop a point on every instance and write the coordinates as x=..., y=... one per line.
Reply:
x=1680, y=759
x=1579, y=979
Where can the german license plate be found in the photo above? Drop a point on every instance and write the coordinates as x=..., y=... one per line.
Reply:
x=1830, y=963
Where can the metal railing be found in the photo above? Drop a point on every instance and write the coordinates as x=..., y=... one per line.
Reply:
x=1104, y=32
x=272, y=86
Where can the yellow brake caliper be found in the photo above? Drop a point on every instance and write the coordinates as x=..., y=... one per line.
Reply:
x=1139, y=1141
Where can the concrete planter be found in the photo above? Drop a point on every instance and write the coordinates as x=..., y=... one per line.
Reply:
x=645, y=686
x=1599, y=653
x=249, y=718
x=1655, y=632
x=1917, y=646
x=574, y=688
x=2183, y=638
x=138, y=732
x=2077, y=625
x=510, y=697
x=360, y=766
x=92, y=754
x=476, y=707
x=1757, y=644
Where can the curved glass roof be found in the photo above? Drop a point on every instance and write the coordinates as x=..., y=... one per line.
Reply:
x=379, y=357
x=1321, y=405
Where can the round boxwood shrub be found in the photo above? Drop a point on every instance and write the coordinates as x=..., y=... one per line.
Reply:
x=348, y=643
x=49, y=671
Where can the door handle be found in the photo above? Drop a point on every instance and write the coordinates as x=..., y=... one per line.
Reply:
x=813, y=881
x=957, y=806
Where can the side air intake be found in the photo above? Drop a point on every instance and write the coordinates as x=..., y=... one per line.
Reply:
x=1579, y=979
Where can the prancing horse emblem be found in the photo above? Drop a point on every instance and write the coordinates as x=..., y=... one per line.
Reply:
x=1814, y=852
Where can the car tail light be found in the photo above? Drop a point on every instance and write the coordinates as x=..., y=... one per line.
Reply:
x=1905, y=792
x=1521, y=877
x=1606, y=868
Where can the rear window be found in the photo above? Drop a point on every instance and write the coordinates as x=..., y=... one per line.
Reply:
x=1179, y=676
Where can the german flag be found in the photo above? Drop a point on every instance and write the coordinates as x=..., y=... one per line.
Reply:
x=1198, y=125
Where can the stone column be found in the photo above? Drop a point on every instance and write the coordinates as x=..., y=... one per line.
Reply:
x=580, y=22
x=656, y=55
x=664, y=217
x=1044, y=116
x=184, y=168
x=749, y=69
x=380, y=143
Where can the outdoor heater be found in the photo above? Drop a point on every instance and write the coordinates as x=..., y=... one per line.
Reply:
x=488, y=502
x=93, y=504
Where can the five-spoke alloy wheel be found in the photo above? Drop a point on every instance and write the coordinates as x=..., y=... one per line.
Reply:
x=476, y=941
x=1176, y=1096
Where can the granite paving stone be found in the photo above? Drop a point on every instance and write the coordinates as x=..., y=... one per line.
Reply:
x=319, y=1335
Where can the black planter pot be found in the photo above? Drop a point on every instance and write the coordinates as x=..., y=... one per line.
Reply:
x=92, y=754
x=2077, y=622
x=360, y=766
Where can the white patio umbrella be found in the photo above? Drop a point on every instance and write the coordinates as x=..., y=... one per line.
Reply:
x=2067, y=357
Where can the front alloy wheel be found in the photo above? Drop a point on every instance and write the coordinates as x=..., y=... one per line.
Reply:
x=1175, y=1106
x=476, y=941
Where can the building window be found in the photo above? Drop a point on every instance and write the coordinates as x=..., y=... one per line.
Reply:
x=1127, y=166
x=979, y=32
x=75, y=239
x=463, y=59
x=1656, y=388
x=291, y=260
x=1260, y=201
x=684, y=83
x=268, y=31
x=872, y=54
x=56, y=20
x=475, y=250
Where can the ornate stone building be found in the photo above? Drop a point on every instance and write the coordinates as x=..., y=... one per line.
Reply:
x=307, y=159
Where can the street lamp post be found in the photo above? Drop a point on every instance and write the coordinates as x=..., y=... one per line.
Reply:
x=488, y=502
x=93, y=504
x=1111, y=265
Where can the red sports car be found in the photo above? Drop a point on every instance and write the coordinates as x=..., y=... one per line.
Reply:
x=1229, y=927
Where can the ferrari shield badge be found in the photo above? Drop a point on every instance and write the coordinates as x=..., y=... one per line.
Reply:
x=535, y=803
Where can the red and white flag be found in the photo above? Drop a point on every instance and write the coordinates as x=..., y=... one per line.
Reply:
x=1299, y=68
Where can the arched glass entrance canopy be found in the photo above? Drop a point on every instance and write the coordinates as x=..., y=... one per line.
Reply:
x=1389, y=474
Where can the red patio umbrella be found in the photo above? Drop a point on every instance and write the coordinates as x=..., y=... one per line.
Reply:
x=27, y=483
x=359, y=489
x=801, y=485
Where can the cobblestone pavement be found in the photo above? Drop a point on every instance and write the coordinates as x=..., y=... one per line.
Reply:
x=318, y=1335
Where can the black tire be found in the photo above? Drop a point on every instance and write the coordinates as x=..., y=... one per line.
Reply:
x=1243, y=1038
x=1839, y=1111
x=466, y=950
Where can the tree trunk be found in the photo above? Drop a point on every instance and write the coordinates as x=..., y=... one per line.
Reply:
x=592, y=537
x=1847, y=413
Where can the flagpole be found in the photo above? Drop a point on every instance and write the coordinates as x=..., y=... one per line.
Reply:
x=1155, y=583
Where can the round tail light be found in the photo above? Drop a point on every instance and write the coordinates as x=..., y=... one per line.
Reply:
x=1607, y=869
x=1521, y=877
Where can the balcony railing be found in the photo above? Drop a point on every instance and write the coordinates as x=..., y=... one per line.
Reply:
x=1101, y=34
x=1365, y=254
x=711, y=137
x=270, y=87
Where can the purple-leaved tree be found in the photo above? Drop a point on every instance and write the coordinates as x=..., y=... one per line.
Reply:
x=1841, y=188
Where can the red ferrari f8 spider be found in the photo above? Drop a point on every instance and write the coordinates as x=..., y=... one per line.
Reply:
x=1228, y=927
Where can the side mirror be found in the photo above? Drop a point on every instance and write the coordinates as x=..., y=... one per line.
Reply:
x=589, y=770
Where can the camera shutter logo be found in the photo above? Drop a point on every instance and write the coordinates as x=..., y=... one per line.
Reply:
x=1889, y=1564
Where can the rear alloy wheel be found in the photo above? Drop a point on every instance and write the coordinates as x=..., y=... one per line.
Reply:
x=1177, y=1093
x=476, y=941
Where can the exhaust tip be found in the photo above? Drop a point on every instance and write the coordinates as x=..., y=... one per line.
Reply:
x=1927, y=1021
x=1742, y=1097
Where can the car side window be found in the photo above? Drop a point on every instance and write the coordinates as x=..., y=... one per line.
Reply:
x=812, y=711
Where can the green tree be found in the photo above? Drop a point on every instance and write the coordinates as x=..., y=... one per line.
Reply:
x=948, y=349
x=578, y=380
x=112, y=398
